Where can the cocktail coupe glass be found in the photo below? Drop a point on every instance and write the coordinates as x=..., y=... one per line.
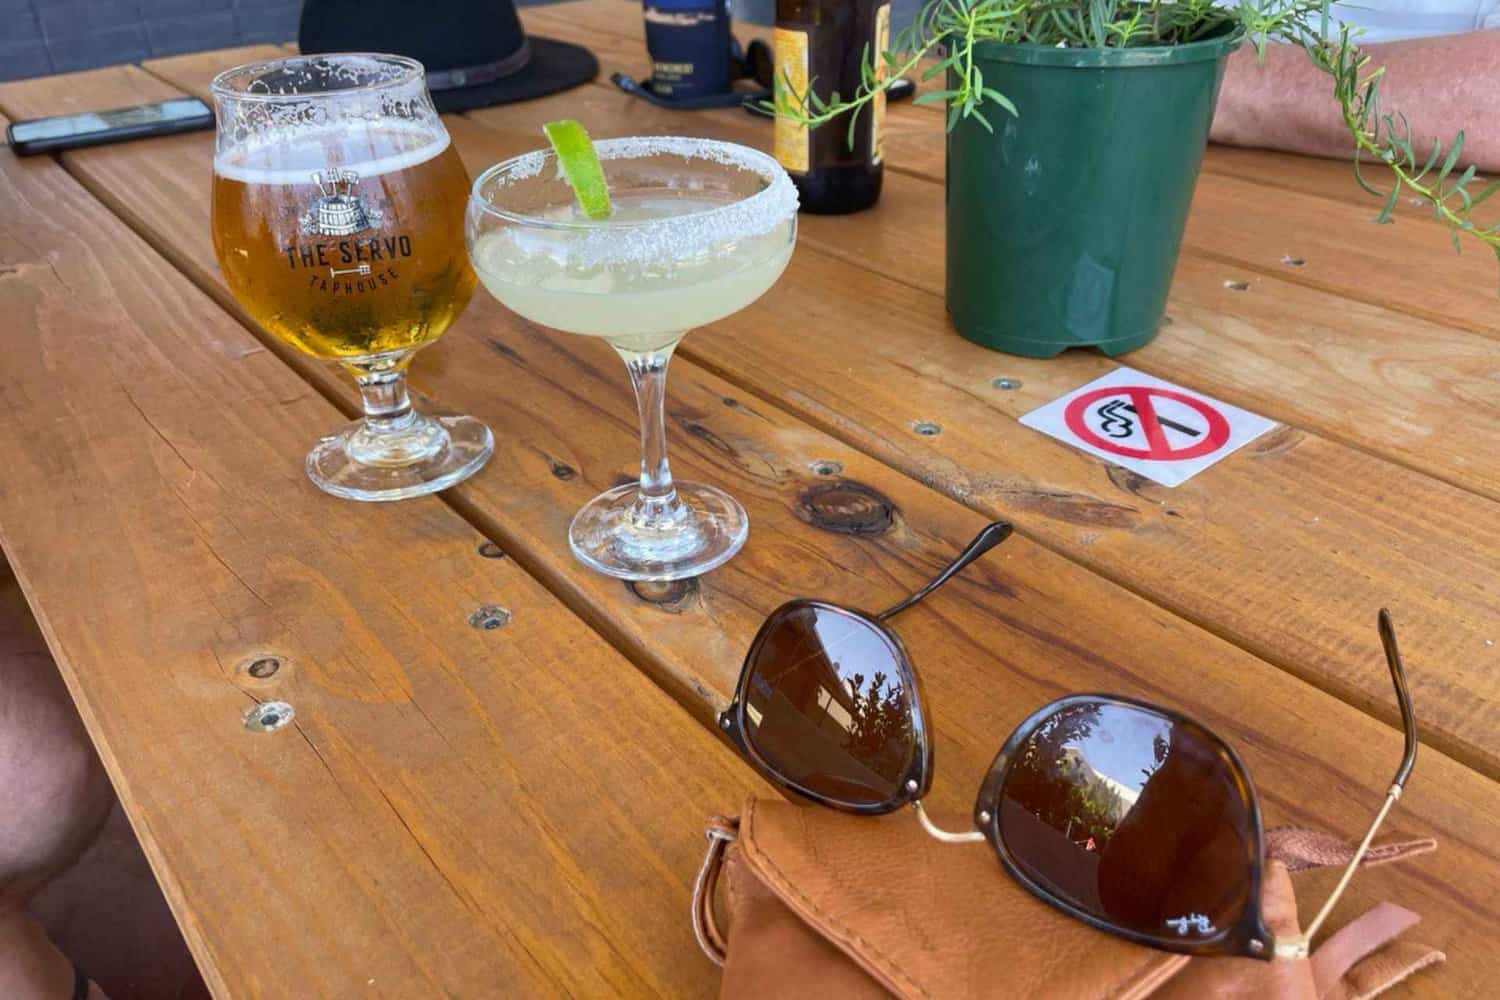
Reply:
x=338, y=214
x=700, y=229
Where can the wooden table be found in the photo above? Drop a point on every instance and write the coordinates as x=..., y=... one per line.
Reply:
x=515, y=810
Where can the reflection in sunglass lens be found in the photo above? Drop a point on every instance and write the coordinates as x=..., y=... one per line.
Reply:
x=1141, y=820
x=828, y=706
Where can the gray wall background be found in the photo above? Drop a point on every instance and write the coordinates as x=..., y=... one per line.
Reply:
x=58, y=36
x=38, y=37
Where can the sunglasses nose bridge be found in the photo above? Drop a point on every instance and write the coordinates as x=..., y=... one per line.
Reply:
x=946, y=836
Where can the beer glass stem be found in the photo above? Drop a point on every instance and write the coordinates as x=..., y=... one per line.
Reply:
x=392, y=435
x=387, y=406
x=657, y=504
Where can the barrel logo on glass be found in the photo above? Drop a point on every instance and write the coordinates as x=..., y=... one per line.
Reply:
x=339, y=212
x=348, y=266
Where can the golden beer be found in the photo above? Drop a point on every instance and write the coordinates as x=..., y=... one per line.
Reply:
x=338, y=221
x=347, y=242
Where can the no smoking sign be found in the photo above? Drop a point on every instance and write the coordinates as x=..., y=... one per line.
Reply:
x=1162, y=431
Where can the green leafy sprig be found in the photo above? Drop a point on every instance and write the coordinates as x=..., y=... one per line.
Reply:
x=948, y=31
x=1388, y=139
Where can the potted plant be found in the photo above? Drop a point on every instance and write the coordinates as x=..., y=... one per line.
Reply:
x=1075, y=132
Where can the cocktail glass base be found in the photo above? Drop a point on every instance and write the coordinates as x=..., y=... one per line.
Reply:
x=697, y=533
x=425, y=454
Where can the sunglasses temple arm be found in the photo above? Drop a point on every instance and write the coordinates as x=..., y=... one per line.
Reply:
x=1297, y=947
x=992, y=535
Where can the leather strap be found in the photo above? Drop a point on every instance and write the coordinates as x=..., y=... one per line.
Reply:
x=1367, y=932
x=1390, y=965
x=473, y=76
x=1303, y=848
x=721, y=832
x=1363, y=958
x=1359, y=961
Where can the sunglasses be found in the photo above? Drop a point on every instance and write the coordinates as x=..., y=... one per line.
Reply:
x=1123, y=814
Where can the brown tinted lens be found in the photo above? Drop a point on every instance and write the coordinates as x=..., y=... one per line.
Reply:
x=827, y=704
x=1138, y=819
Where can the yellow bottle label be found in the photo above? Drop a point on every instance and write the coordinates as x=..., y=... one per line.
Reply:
x=877, y=120
x=793, y=143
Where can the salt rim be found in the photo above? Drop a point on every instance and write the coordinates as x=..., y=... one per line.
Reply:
x=681, y=237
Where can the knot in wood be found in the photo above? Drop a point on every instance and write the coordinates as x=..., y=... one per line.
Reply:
x=263, y=667
x=490, y=550
x=847, y=508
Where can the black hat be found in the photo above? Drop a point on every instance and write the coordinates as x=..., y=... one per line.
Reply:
x=475, y=51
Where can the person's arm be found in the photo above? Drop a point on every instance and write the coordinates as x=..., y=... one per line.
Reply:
x=1442, y=84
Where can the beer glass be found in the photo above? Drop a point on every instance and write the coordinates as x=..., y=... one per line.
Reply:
x=338, y=221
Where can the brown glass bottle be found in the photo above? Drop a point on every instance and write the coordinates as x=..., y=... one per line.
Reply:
x=824, y=42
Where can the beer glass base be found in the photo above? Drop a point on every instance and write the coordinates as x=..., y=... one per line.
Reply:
x=433, y=453
x=610, y=536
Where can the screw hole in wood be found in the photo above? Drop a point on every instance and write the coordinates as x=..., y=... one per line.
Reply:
x=269, y=716
x=489, y=617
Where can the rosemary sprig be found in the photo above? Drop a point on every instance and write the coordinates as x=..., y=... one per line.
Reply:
x=1387, y=139
x=950, y=29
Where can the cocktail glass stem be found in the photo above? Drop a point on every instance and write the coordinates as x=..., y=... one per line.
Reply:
x=657, y=504
x=656, y=528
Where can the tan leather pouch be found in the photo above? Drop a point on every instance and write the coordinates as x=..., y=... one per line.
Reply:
x=821, y=904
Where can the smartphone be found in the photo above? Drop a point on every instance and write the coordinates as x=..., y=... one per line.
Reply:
x=93, y=128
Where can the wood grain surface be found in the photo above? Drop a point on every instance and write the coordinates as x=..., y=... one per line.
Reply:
x=454, y=810
x=1363, y=380
x=1422, y=394
x=830, y=519
x=1238, y=217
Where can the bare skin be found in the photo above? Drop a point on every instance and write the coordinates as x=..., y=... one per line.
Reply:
x=1442, y=84
x=54, y=797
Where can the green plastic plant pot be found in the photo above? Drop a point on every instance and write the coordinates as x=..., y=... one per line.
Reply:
x=1065, y=222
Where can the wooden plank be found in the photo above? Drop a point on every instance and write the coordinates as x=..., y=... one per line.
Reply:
x=453, y=808
x=830, y=521
x=1314, y=505
x=1425, y=403
x=1419, y=393
x=1408, y=265
x=91, y=90
x=196, y=74
x=1326, y=178
x=1315, y=212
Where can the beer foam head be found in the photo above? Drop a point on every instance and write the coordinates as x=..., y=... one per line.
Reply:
x=296, y=156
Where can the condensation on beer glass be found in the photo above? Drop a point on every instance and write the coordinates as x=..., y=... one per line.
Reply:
x=338, y=207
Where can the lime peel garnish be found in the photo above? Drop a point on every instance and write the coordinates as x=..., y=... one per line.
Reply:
x=580, y=166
